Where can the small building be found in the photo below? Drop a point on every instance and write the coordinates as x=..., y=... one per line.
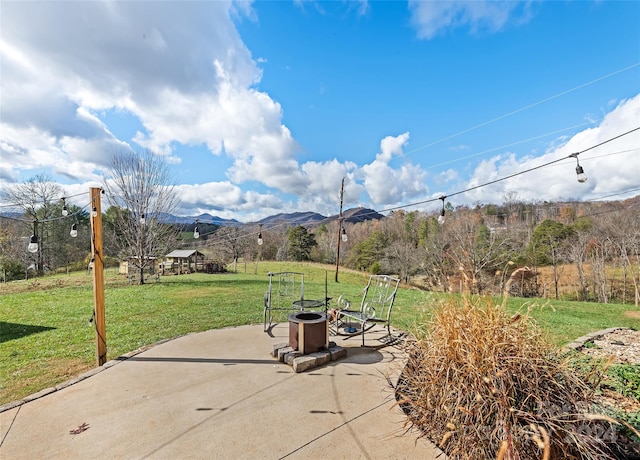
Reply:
x=129, y=265
x=182, y=261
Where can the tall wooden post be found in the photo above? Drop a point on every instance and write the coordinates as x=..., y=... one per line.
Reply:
x=339, y=230
x=98, y=276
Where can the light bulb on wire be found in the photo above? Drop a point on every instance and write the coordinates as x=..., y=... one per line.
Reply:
x=582, y=177
x=441, y=218
x=65, y=211
x=344, y=236
x=33, y=244
x=74, y=231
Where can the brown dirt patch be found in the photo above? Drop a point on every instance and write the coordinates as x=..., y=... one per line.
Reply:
x=632, y=314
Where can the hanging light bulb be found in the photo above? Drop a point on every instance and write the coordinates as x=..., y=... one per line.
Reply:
x=92, y=262
x=260, y=240
x=344, y=236
x=441, y=216
x=196, y=233
x=143, y=220
x=94, y=212
x=33, y=245
x=74, y=231
x=582, y=177
x=65, y=211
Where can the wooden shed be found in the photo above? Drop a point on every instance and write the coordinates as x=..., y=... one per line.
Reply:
x=183, y=261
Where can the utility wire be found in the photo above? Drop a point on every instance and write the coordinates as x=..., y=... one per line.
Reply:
x=572, y=155
x=431, y=200
x=522, y=109
x=50, y=219
x=65, y=197
x=473, y=155
x=443, y=197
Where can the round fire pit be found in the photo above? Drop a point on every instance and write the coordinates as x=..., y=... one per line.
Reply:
x=308, y=331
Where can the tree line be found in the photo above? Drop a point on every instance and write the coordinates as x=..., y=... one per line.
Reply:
x=485, y=248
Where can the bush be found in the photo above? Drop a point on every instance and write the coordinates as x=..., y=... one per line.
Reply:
x=483, y=384
x=11, y=270
x=376, y=268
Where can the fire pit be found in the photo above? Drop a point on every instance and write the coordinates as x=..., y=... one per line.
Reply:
x=308, y=331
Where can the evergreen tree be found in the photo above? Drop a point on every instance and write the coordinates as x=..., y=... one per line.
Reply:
x=300, y=243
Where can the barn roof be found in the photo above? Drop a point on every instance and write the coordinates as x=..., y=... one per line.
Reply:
x=183, y=253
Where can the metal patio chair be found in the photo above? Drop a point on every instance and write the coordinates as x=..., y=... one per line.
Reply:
x=376, y=304
x=284, y=289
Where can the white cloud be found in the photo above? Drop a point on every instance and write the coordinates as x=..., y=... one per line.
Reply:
x=391, y=146
x=323, y=191
x=183, y=72
x=180, y=68
x=225, y=200
x=613, y=168
x=432, y=18
x=386, y=185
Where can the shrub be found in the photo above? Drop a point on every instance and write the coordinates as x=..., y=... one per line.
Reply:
x=11, y=270
x=483, y=384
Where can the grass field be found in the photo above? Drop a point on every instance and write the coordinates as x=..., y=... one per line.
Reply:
x=46, y=337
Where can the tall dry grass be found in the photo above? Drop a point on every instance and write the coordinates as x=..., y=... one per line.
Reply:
x=483, y=384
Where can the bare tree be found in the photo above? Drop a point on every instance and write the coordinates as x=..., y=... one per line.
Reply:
x=141, y=183
x=37, y=199
x=577, y=252
x=477, y=250
x=229, y=244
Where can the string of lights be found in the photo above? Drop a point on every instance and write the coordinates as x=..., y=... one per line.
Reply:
x=579, y=173
x=485, y=184
x=197, y=234
x=50, y=219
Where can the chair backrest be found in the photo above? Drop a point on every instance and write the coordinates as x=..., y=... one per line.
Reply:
x=378, y=296
x=284, y=289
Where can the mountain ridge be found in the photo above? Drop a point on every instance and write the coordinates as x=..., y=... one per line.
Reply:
x=304, y=218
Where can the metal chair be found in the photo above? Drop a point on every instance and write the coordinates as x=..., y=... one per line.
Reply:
x=376, y=304
x=285, y=288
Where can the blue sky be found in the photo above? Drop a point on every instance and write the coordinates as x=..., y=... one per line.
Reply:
x=262, y=107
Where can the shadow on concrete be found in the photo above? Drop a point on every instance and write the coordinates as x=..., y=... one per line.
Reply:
x=227, y=362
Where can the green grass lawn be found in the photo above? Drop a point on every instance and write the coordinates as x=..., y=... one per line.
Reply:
x=46, y=337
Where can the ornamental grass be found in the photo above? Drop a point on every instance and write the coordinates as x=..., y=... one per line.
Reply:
x=483, y=384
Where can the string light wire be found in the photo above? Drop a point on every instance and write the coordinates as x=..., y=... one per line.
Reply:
x=522, y=109
x=431, y=200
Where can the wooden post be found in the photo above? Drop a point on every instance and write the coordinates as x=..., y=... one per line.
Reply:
x=339, y=230
x=98, y=277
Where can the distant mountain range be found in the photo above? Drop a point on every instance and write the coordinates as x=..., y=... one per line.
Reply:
x=307, y=219
x=204, y=218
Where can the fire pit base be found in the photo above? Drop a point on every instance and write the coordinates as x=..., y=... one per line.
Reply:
x=308, y=332
x=301, y=363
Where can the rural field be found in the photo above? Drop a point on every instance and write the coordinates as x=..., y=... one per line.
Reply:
x=46, y=336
